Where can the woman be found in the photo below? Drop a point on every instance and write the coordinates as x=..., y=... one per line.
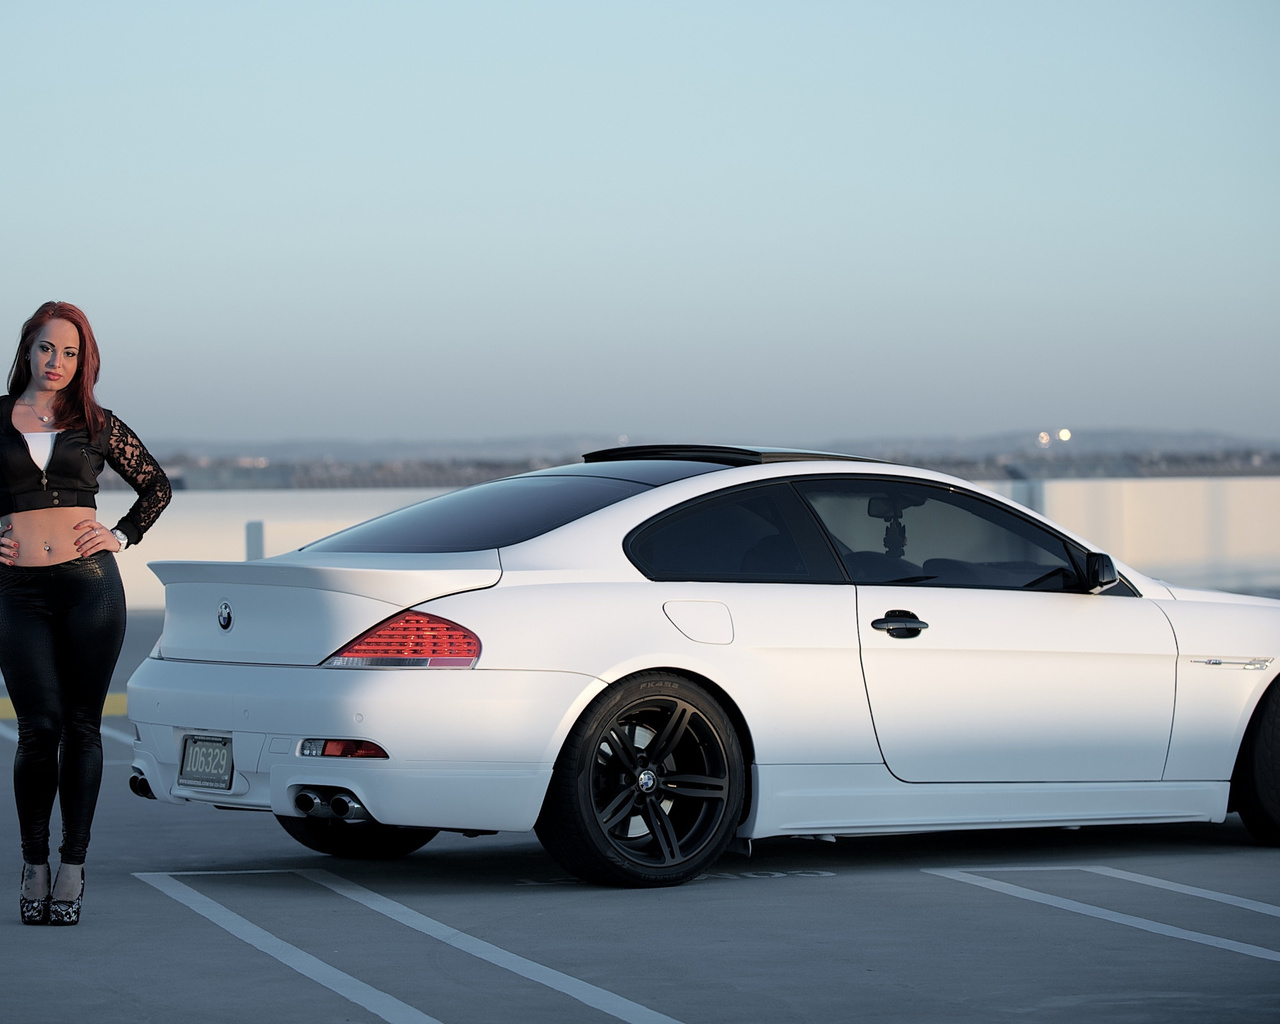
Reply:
x=62, y=613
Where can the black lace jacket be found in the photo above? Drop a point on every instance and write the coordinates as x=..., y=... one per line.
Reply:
x=129, y=457
x=71, y=475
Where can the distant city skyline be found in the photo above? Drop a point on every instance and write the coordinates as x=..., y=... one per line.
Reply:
x=1090, y=444
x=716, y=221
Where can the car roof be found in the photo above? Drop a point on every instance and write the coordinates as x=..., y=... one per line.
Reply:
x=724, y=455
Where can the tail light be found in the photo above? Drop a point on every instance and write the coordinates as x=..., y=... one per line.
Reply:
x=341, y=748
x=411, y=640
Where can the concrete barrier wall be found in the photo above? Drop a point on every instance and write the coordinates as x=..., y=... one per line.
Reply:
x=1217, y=532
x=212, y=526
x=1212, y=532
x=1200, y=531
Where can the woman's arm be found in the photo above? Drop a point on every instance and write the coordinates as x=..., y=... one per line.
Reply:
x=129, y=457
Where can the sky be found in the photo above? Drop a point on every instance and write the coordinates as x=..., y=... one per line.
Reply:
x=771, y=223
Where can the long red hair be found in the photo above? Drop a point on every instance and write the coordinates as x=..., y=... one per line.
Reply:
x=75, y=405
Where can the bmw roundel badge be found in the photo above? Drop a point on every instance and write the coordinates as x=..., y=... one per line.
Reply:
x=224, y=615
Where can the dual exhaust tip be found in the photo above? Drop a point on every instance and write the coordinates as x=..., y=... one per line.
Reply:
x=339, y=804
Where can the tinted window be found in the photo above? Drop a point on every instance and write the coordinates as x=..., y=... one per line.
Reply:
x=892, y=531
x=757, y=534
x=490, y=515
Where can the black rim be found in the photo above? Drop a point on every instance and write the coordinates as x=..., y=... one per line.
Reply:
x=660, y=782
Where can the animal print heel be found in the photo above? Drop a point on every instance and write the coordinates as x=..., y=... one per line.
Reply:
x=66, y=912
x=33, y=911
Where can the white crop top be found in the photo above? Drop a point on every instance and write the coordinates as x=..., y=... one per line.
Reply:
x=40, y=445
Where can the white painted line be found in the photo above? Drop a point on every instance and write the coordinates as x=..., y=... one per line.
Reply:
x=116, y=734
x=1019, y=867
x=8, y=732
x=1088, y=910
x=588, y=994
x=375, y=1001
x=1189, y=890
x=245, y=871
x=1270, y=909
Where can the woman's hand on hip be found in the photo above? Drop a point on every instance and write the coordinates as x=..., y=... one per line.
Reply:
x=8, y=546
x=95, y=537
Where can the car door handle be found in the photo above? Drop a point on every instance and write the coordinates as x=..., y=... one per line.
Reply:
x=899, y=624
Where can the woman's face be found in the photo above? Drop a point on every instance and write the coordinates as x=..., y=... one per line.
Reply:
x=55, y=355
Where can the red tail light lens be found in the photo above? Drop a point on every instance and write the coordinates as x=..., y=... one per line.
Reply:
x=411, y=640
x=341, y=748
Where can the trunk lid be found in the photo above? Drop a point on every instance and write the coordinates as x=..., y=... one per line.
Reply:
x=299, y=608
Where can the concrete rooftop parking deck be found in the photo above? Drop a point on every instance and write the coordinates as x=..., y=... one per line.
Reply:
x=199, y=915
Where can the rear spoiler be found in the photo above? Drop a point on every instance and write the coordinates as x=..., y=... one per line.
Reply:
x=399, y=579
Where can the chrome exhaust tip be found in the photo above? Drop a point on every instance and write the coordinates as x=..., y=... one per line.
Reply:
x=347, y=807
x=308, y=802
x=139, y=786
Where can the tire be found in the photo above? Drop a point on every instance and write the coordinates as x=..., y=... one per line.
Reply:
x=1255, y=783
x=356, y=840
x=648, y=788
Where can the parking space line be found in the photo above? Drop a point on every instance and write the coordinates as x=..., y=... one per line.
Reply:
x=374, y=1000
x=1100, y=913
x=1270, y=909
x=1189, y=890
x=584, y=992
x=243, y=871
x=385, y=1006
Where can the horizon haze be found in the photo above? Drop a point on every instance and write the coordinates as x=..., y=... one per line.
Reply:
x=435, y=222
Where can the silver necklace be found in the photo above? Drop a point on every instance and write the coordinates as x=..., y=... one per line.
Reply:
x=32, y=407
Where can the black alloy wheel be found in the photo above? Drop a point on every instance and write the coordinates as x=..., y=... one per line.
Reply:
x=1255, y=783
x=648, y=789
x=356, y=840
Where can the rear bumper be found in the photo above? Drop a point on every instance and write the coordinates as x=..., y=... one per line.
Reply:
x=469, y=749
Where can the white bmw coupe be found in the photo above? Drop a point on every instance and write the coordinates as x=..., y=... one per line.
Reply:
x=666, y=650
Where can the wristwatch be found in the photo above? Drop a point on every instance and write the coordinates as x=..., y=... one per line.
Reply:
x=119, y=535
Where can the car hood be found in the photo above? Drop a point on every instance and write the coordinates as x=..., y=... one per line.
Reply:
x=1217, y=596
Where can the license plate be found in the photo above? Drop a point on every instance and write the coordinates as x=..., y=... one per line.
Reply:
x=206, y=762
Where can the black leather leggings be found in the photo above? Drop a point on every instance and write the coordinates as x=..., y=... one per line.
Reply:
x=61, y=627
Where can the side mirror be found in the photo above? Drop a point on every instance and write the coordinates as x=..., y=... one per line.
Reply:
x=1101, y=571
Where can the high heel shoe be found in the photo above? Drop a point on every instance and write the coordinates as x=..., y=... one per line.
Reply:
x=66, y=912
x=33, y=911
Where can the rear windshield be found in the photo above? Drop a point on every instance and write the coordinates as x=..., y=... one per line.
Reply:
x=490, y=515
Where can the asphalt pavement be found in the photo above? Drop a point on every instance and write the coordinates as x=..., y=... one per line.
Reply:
x=198, y=915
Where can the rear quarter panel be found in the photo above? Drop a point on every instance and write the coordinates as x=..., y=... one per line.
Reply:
x=792, y=667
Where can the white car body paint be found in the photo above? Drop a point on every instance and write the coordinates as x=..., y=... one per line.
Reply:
x=1215, y=701
x=425, y=719
x=705, y=622
x=1006, y=686
x=291, y=611
x=804, y=646
x=868, y=800
x=1123, y=723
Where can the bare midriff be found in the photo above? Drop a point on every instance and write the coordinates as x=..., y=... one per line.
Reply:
x=46, y=536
